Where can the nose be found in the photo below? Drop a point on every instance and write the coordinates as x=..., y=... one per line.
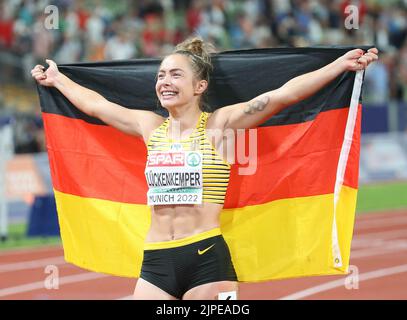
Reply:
x=164, y=79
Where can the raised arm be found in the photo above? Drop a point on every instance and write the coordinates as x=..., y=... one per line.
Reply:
x=254, y=112
x=134, y=122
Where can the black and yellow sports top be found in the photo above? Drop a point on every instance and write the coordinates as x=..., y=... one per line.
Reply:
x=215, y=170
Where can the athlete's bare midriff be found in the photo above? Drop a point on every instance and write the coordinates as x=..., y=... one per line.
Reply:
x=171, y=222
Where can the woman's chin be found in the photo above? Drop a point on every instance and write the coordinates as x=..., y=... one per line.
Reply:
x=168, y=105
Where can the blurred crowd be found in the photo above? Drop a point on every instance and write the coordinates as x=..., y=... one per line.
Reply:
x=95, y=30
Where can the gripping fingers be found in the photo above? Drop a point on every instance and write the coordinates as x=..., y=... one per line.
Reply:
x=40, y=77
x=38, y=68
x=369, y=57
x=373, y=50
x=372, y=55
x=40, y=74
x=51, y=63
x=363, y=61
x=36, y=71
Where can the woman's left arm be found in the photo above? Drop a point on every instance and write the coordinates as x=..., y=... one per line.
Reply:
x=254, y=112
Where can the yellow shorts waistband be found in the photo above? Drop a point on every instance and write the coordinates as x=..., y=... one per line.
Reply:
x=182, y=242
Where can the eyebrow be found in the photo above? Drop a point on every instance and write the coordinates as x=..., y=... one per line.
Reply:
x=171, y=70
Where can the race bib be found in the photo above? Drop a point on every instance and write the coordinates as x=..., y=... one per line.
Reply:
x=174, y=177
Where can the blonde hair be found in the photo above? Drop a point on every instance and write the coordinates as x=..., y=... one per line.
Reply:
x=199, y=54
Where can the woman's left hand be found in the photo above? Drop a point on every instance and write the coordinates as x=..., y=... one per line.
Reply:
x=358, y=59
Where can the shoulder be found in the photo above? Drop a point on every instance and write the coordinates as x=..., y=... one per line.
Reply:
x=149, y=119
x=149, y=122
x=155, y=123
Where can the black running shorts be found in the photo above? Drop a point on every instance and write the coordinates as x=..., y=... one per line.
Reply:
x=179, y=265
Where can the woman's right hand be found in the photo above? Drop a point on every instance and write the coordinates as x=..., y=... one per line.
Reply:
x=47, y=78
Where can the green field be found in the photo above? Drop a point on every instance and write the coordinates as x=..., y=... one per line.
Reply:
x=371, y=198
x=379, y=197
x=17, y=238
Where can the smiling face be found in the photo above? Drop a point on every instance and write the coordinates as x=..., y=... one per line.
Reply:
x=176, y=83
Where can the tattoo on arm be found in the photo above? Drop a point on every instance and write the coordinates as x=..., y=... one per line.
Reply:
x=256, y=105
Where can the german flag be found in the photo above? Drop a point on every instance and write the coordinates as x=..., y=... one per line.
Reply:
x=292, y=216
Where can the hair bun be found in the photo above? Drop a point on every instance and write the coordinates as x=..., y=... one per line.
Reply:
x=196, y=46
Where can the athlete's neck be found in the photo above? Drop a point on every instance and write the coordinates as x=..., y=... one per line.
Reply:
x=183, y=121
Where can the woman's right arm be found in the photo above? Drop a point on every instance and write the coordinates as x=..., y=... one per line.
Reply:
x=135, y=122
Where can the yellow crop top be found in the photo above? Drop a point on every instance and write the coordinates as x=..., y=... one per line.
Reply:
x=215, y=170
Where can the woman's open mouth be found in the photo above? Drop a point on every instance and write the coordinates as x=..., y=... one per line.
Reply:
x=168, y=94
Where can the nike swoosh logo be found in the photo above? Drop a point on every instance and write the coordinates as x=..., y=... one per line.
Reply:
x=203, y=251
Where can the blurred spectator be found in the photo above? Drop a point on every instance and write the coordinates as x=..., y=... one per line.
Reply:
x=213, y=25
x=194, y=15
x=29, y=137
x=95, y=27
x=42, y=40
x=6, y=26
x=69, y=50
x=153, y=35
x=402, y=78
x=377, y=82
x=120, y=46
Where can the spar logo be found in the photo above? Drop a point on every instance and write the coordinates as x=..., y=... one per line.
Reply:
x=193, y=159
x=166, y=159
